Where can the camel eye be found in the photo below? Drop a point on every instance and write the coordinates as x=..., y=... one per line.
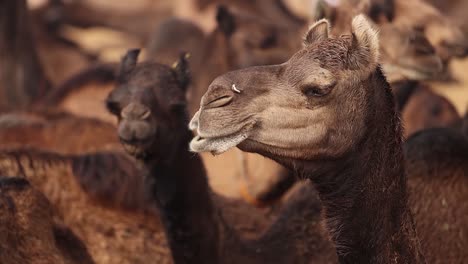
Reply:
x=268, y=42
x=113, y=107
x=314, y=91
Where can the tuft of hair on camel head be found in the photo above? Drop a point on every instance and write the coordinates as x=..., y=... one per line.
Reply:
x=363, y=54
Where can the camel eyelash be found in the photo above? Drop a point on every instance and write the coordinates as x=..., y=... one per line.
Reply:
x=317, y=91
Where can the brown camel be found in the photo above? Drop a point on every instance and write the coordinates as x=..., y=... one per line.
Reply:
x=329, y=114
x=405, y=54
x=174, y=36
x=153, y=128
x=421, y=108
x=30, y=232
x=436, y=161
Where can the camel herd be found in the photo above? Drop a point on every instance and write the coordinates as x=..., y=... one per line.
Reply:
x=234, y=132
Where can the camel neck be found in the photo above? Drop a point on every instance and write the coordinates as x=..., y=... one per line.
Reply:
x=181, y=190
x=364, y=194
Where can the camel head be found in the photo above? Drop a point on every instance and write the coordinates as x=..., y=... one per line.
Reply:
x=311, y=107
x=253, y=40
x=406, y=53
x=149, y=102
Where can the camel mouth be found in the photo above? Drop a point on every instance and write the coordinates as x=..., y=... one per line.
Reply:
x=217, y=145
x=137, y=150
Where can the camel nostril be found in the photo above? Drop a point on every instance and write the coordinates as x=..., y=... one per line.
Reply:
x=145, y=115
x=193, y=125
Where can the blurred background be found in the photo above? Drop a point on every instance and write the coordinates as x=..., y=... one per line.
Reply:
x=59, y=61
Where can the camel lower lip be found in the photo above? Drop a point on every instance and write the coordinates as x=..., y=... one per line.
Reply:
x=216, y=145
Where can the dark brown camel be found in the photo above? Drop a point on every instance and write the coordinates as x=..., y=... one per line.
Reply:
x=30, y=231
x=421, y=108
x=436, y=162
x=153, y=128
x=329, y=114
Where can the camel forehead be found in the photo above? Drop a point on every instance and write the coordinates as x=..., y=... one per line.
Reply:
x=148, y=74
x=330, y=54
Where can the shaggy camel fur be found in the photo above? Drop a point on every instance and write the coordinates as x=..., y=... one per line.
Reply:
x=30, y=231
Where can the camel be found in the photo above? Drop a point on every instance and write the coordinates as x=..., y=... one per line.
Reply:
x=406, y=54
x=173, y=36
x=153, y=128
x=30, y=234
x=437, y=167
x=421, y=108
x=328, y=114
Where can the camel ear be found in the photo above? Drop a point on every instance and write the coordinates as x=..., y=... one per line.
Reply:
x=226, y=21
x=182, y=71
x=317, y=32
x=364, y=51
x=129, y=60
